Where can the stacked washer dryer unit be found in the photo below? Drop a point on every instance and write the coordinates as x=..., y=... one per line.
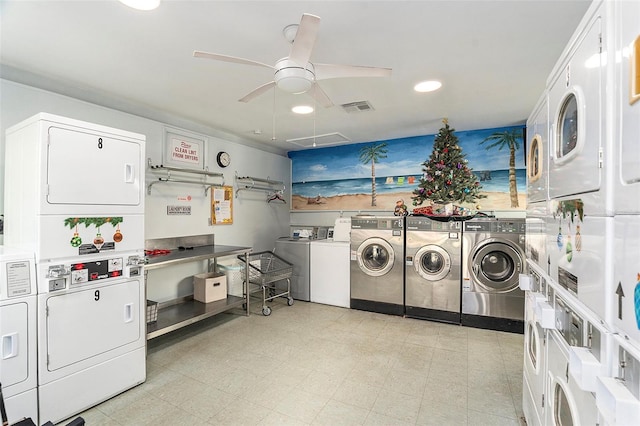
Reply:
x=377, y=264
x=580, y=222
x=18, y=344
x=591, y=237
x=75, y=198
x=433, y=254
x=618, y=397
x=492, y=261
x=538, y=311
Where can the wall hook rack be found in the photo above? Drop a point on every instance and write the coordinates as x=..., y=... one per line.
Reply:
x=250, y=183
x=205, y=182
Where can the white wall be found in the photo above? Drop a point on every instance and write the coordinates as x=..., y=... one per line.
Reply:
x=256, y=223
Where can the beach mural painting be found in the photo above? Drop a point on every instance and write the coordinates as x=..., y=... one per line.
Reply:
x=378, y=175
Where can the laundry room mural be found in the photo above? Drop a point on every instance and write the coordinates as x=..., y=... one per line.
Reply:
x=384, y=175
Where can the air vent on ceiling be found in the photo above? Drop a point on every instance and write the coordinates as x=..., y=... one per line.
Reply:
x=360, y=106
x=320, y=140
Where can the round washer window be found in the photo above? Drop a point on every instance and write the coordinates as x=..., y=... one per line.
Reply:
x=567, y=136
x=375, y=257
x=432, y=262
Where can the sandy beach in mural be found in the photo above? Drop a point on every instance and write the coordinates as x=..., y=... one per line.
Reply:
x=387, y=202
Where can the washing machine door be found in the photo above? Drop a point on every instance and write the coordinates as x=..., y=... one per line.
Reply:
x=496, y=265
x=432, y=262
x=375, y=257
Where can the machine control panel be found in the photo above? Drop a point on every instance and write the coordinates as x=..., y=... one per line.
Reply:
x=378, y=223
x=99, y=270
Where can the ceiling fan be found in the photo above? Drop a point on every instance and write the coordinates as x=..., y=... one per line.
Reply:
x=294, y=73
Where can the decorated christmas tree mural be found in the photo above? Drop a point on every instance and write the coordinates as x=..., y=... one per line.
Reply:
x=446, y=176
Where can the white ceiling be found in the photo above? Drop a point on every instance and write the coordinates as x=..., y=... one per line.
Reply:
x=493, y=58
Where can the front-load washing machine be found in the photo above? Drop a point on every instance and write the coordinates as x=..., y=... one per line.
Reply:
x=618, y=396
x=578, y=356
x=433, y=254
x=377, y=264
x=492, y=260
x=18, y=344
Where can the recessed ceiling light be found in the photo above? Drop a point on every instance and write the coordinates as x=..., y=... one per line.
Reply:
x=141, y=4
x=302, y=109
x=427, y=86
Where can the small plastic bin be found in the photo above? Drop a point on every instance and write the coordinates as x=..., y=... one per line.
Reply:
x=152, y=311
x=234, y=272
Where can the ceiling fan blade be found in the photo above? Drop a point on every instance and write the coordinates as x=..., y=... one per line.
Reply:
x=327, y=71
x=226, y=58
x=305, y=39
x=257, y=92
x=320, y=96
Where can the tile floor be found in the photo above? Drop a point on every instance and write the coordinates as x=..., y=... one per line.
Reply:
x=311, y=364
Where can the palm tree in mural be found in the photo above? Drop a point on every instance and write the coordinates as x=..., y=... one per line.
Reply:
x=372, y=154
x=507, y=139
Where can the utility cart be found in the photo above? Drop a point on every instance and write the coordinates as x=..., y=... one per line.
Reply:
x=265, y=270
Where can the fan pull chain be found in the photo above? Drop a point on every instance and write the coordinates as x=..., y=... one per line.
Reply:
x=314, y=114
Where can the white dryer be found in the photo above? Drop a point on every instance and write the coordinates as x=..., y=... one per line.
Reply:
x=618, y=396
x=578, y=356
x=77, y=202
x=626, y=128
x=538, y=152
x=625, y=304
x=580, y=254
x=580, y=150
x=18, y=344
x=535, y=361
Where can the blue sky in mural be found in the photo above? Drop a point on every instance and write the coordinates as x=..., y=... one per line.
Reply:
x=404, y=157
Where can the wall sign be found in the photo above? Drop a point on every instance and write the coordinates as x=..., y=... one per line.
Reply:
x=178, y=210
x=184, y=149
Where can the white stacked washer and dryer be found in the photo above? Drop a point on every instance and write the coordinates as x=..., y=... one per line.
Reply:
x=589, y=233
x=18, y=339
x=75, y=198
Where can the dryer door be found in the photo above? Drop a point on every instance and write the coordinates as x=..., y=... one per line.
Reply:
x=496, y=265
x=432, y=262
x=375, y=257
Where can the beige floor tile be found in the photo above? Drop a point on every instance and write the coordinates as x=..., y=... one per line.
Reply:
x=478, y=418
x=240, y=412
x=336, y=413
x=356, y=393
x=301, y=405
x=397, y=405
x=318, y=364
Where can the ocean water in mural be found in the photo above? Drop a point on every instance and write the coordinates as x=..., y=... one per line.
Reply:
x=494, y=181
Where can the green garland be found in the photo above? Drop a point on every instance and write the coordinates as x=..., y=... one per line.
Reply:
x=72, y=222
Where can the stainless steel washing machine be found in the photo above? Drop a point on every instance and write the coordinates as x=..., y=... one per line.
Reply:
x=377, y=264
x=433, y=254
x=492, y=260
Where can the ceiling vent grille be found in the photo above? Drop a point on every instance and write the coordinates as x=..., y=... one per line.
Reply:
x=320, y=140
x=360, y=106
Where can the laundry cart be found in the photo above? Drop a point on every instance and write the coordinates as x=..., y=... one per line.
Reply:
x=265, y=270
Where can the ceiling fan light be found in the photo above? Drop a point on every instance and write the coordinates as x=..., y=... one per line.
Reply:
x=141, y=4
x=427, y=86
x=302, y=109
